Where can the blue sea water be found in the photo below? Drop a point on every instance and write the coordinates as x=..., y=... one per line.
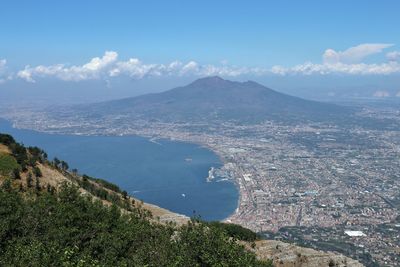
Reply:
x=156, y=173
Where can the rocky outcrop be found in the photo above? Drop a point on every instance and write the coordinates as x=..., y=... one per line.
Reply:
x=289, y=255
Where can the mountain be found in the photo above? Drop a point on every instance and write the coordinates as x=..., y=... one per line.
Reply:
x=215, y=99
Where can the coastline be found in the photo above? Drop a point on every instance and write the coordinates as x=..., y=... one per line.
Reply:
x=223, y=163
x=234, y=181
x=156, y=140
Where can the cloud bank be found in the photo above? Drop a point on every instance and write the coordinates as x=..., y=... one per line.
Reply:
x=94, y=69
x=108, y=66
x=309, y=68
x=353, y=54
x=393, y=56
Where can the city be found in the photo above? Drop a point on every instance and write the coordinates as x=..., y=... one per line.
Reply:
x=313, y=184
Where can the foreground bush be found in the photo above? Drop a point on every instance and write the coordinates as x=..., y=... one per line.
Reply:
x=67, y=229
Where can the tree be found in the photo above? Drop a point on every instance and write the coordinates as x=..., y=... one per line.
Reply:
x=37, y=172
x=56, y=162
x=64, y=165
x=124, y=194
x=16, y=174
x=29, y=180
x=6, y=139
x=37, y=185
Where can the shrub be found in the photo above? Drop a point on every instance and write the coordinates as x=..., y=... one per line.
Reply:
x=67, y=229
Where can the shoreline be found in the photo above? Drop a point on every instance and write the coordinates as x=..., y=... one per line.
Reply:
x=153, y=139
x=234, y=181
x=223, y=162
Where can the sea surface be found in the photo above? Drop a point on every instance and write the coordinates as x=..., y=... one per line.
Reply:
x=167, y=173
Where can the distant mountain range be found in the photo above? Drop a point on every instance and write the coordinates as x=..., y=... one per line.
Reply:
x=214, y=99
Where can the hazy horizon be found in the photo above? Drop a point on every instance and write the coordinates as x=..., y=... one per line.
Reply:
x=316, y=50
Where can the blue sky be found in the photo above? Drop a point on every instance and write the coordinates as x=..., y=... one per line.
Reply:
x=234, y=39
x=255, y=33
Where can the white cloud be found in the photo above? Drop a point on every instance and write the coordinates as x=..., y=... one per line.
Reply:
x=393, y=56
x=108, y=66
x=192, y=66
x=309, y=68
x=353, y=54
x=136, y=69
x=91, y=70
x=346, y=62
x=381, y=94
x=398, y=94
x=133, y=67
x=279, y=70
x=26, y=74
x=100, y=63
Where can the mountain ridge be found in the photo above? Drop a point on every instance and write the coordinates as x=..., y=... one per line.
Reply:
x=213, y=99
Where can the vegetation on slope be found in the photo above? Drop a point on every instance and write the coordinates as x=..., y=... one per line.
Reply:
x=7, y=164
x=235, y=231
x=46, y=226
x=68, y=229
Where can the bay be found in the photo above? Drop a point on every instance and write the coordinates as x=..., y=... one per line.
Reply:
x=166, y=173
